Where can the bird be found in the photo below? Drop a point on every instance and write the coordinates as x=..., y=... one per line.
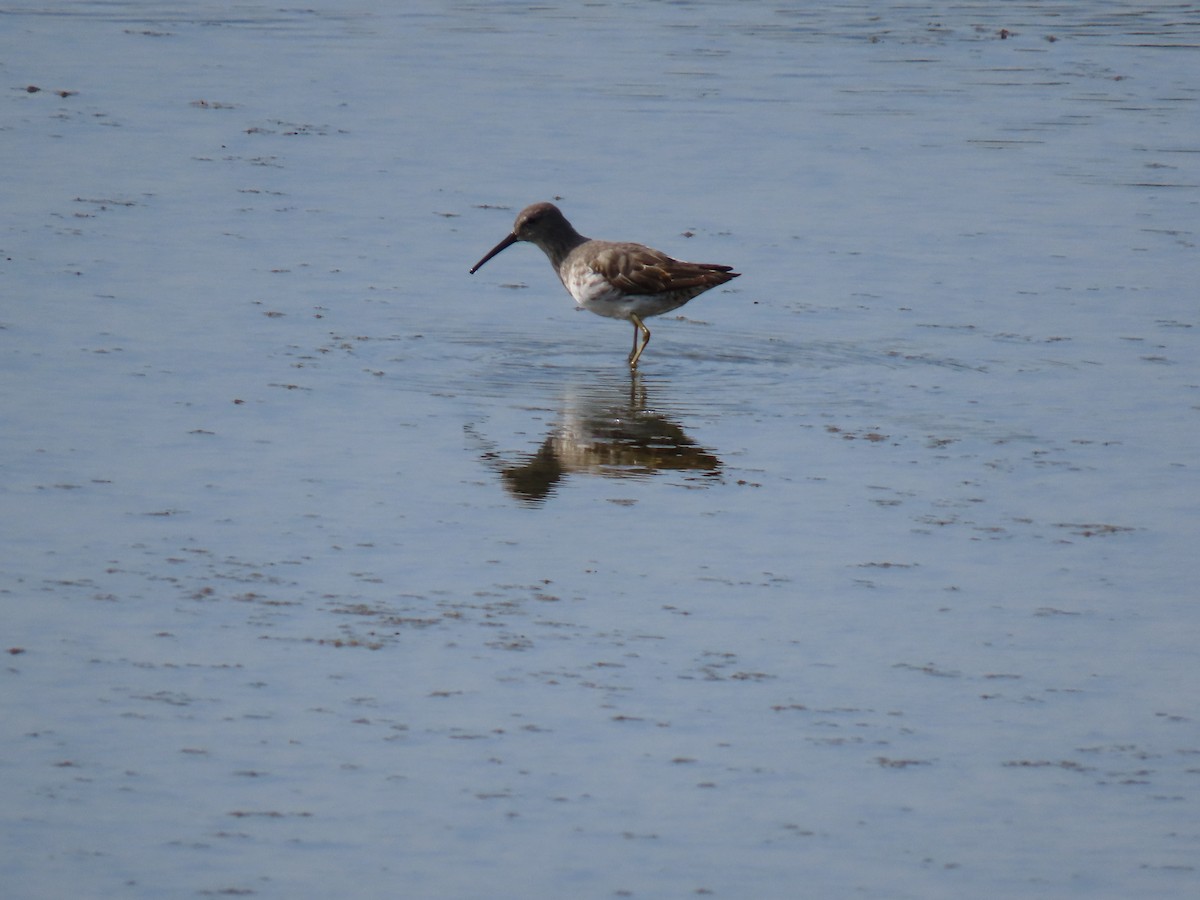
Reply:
x=619, y=280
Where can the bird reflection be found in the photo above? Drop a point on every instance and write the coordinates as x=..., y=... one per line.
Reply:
x=607, y=430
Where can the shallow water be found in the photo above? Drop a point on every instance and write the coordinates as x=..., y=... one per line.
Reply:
x=330, y=568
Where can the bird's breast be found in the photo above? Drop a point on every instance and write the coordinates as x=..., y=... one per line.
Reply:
x=589, y=288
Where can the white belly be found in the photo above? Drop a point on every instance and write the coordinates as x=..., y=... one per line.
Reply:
x=593, y=292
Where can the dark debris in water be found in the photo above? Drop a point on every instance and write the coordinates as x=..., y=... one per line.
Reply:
x=1094, y=529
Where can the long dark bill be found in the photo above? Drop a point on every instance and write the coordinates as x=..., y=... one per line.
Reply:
x=507, y=242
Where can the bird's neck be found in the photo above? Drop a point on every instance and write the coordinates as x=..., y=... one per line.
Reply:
x=556, y=246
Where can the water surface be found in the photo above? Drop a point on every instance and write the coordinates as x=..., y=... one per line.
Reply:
x=329, y=567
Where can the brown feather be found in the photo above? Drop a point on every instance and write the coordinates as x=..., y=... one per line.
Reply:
x=636, y=269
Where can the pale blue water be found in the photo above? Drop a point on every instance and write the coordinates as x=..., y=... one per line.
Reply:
x=331, y=570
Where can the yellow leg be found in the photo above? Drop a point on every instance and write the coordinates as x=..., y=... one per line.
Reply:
x=636, y=353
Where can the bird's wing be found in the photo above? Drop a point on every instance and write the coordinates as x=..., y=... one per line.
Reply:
x=636, y=269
